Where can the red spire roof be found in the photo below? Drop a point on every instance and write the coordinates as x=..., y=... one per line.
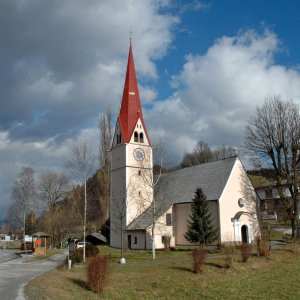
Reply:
x=131, y=108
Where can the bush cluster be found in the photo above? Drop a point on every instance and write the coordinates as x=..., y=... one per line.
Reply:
x=199, y=256
x=91, y=250
x=76, y=257
x=228, y=251
x=263, y=247
x=97, y=273
x=245, y=252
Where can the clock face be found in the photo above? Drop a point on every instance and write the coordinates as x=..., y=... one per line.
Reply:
x=139, y=154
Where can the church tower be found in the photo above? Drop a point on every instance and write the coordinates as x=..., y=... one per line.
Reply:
x=131, y=162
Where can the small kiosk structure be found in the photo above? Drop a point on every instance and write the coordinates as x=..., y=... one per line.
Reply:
x=40, y=242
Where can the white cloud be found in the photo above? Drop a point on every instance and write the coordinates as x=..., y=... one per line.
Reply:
x=194, y=5
x=63, y=67
x=55, y=90
x=218, y=91
x=147, y=94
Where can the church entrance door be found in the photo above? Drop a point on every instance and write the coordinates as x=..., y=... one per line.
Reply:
x=244, y=231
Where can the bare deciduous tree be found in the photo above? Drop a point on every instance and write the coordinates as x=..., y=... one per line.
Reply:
x=251, y=203
x=118, y=218
x=23, y=195
x=81, y=166
x=106, y=134
x=273, y=139
x=224, y=151
x=202, y=153
x=52, y=188
x=63, y=221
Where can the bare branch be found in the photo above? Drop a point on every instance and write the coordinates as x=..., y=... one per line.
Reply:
x=273, y=138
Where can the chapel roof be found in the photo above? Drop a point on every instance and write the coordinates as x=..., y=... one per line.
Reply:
x=179, y=187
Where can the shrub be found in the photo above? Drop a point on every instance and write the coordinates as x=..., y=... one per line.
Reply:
x=263, y=247
x=166, y=241
x=245, y=252
x=199, y=256
x=76, y=257
x=228, y=251
x=97, y=273
x=91, y=250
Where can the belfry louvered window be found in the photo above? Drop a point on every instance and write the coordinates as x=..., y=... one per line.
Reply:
x=141, y=137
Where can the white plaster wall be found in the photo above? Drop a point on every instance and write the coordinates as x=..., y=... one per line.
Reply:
x=160, y=230
x=139, y=129
x=139, y=180
x=229, y=201
x=141, y=236
x=118, y=157
x=117, y=205
x=130, y=190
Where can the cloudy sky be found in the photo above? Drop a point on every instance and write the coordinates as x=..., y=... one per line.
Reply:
x=202, y=66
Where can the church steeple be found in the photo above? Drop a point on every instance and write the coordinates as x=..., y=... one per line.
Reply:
x=131, y=108
x=130, y=157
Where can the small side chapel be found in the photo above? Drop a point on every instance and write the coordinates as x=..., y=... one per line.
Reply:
x=232, y=199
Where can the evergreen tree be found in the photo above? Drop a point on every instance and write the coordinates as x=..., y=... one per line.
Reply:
x=200, y=228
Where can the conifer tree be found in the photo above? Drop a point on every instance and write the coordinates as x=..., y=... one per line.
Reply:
x=200, y=228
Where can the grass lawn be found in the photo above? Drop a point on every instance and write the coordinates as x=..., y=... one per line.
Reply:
x=170, y=277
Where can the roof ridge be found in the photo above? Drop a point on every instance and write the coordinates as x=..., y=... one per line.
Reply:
x=202, y=164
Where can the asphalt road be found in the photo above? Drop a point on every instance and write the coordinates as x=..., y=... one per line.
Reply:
x=15, y=273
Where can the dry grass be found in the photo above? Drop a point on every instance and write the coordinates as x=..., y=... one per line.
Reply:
x=167, y=280
x=10, y=244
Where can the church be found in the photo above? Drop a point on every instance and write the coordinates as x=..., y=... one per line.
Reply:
x=146, y=209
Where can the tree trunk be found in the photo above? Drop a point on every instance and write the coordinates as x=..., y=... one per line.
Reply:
x=122, y=239
x=24, y=233
x=84, y=219
x=153, y=240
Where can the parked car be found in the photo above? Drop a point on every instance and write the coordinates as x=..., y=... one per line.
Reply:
x=80, y=244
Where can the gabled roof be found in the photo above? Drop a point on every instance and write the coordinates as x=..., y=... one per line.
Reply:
x=180, y=186
x=96, y=238
x=131, y=108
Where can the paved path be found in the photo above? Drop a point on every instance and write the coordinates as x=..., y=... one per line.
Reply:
x=16, y=273
x=283, y=230
x=6, y=255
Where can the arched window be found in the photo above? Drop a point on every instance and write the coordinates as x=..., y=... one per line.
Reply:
x=141, y=137
x=136, y=136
